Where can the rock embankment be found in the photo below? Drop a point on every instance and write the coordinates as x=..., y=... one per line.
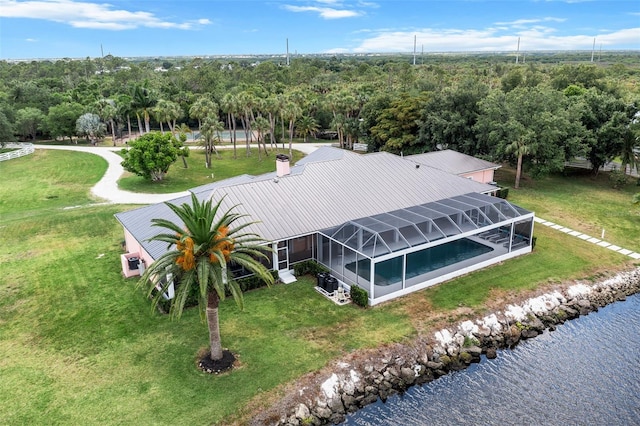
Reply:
x=363, y=378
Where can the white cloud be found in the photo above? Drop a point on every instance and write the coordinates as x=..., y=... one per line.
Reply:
x=31, y=40
x=491, y=39
x=81, y=14
x=332, y=9
x=523, y=22
x=324, y=12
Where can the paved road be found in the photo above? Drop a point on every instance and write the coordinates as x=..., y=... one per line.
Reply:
x=107, y=187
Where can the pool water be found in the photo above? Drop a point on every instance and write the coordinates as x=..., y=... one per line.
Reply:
x=422, y=262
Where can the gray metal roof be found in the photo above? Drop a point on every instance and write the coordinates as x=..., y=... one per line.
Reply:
x=328, y=189
x=452, y=161
x=138, y=223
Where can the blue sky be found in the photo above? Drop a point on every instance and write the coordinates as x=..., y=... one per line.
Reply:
x=78, y=28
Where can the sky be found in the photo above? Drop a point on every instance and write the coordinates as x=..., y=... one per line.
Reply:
x=128, y=28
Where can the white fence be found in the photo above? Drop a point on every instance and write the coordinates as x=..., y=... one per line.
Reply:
x=23, y=149
x=582, y=163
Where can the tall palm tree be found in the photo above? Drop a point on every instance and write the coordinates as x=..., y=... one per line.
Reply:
x=210, y=131
x=307, y=125
x=202, y=248
x=125, y=109
x=107, y=111
x=229, y=105
x=519, y=148
x=291, y=111
x=201, y=108
x=262, y=126
x=143, y=100
x=169, y=112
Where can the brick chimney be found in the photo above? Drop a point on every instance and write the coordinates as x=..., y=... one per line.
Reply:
x=282, y=165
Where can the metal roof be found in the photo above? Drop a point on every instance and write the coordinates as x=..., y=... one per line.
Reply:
x=329, y=188
x=397, y=230
x=452, y=161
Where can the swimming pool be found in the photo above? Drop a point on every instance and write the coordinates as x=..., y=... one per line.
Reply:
x=389, y=272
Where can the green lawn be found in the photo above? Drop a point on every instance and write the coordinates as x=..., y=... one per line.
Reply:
x=181, y=179
x=80, y=344
x=45, y=181
x=582, y=202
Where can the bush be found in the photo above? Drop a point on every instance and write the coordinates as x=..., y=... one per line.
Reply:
x=310, y=267
x=617, y=178
x=253, y=282
x=503, y=193
x=359, y=296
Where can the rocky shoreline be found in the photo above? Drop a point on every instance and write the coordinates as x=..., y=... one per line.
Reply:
x=357, y=380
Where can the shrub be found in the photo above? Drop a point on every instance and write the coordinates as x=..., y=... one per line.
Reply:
x=470, y=341
x=310, y=267
x=503, y=193
x=359, y=296
x=617, y=178
x=253, y=282
x=246, y=284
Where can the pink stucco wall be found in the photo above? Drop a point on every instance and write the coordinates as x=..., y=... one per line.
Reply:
x=482, y=176
x=133, y=249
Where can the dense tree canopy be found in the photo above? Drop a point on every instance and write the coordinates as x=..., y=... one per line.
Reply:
x=445, y=101
x=61, y=119
x=28, y=122
x=532, y=126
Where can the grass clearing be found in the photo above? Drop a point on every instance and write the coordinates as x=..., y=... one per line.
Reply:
x=47, y=180
x=180, y=179
x=582, y=202
x=80, y=344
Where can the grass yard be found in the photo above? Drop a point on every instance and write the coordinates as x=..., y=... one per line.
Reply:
x=45, y=181
x=582, y=202
x=80, y=344
x=181, y=179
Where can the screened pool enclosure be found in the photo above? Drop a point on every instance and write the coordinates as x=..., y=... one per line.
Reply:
x=401, y=251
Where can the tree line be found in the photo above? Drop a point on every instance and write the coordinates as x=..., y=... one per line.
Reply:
x=536, y=115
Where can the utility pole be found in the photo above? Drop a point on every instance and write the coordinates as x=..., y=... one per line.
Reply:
x=287, y=52
x=600, y=52
x=414, y=49
x=518, y=50
x=593, y=49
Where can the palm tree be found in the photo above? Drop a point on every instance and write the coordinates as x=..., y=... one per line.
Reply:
x=291, y=111
x=107, y=111
x=229, y=105
x=210, y=131
x=202, y=248
x=142, y=102
x=124, y=104
x=262, y=126
x=519, y=148
x=307, y=126
x=202, y=108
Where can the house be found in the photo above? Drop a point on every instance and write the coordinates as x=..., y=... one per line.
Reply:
x=388, y=224
x=459, y=164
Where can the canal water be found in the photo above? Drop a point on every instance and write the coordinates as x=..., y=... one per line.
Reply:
x=587, y=372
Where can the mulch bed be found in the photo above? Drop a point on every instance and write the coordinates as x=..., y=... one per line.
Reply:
x=210, y=366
